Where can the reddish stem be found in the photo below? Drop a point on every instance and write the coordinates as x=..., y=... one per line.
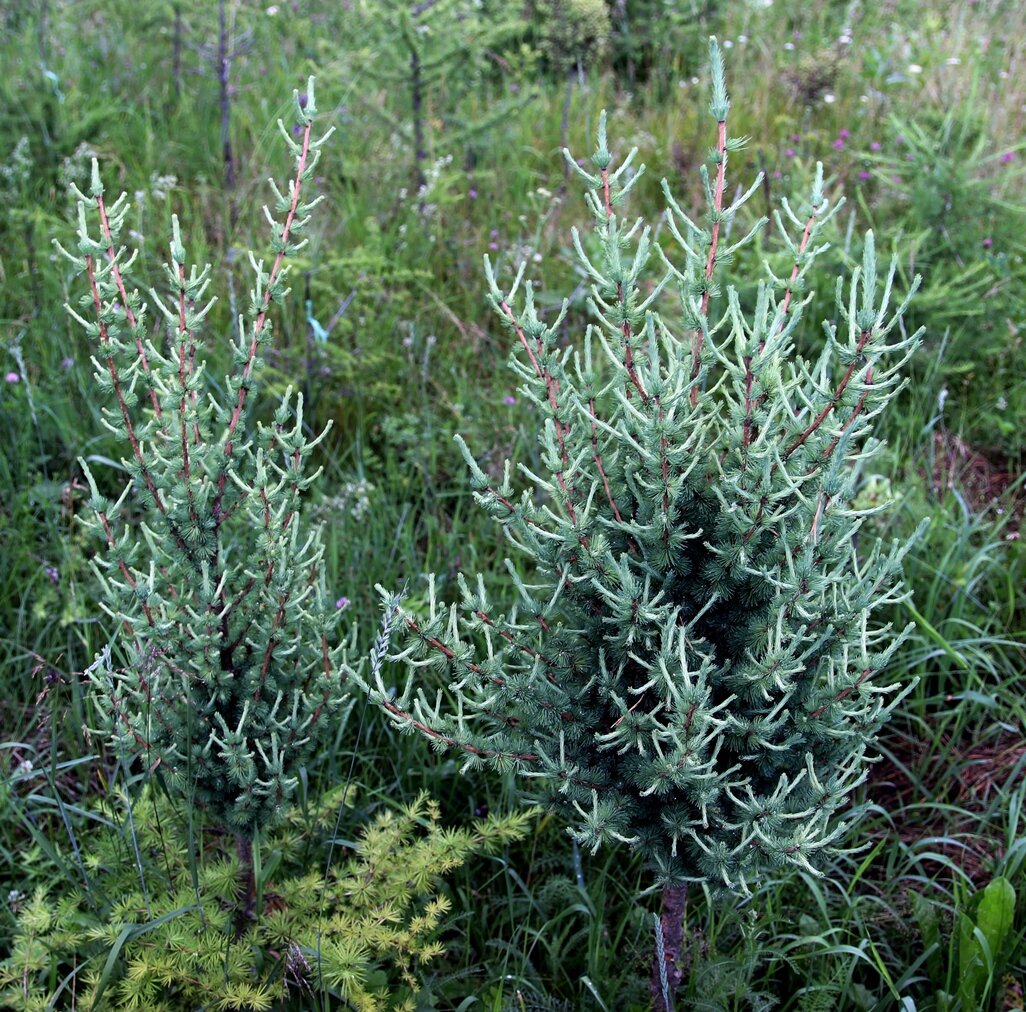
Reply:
x=598, y=462
x=842, y=695
x=749, y=376
x=258, y=323
x=119, y=281
x=552, y=387
x=864, y=339
x=710, y=263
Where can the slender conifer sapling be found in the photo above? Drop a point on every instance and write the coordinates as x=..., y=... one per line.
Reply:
x=235, y=671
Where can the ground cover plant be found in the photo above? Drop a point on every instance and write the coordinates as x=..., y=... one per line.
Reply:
x=915, y=111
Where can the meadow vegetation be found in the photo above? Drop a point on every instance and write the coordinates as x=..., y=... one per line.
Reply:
x=449, y=119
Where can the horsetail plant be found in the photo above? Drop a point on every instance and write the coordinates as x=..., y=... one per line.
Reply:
x=234, y=669
x=692, y=668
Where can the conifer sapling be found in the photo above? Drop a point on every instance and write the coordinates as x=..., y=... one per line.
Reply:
x=692, y=668
x=234, y=670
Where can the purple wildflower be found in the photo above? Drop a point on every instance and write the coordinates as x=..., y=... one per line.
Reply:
x=12, y=377
x=875, y=146
x=843, y=134
x=863, y=175
x=839, y=144
x=1007, y=157
x=342, y=603
x=789, y=153
x=988, y=242
x=509, y=399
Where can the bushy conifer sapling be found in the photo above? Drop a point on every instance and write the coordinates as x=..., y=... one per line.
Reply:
x=235, y=671
x=692, y=668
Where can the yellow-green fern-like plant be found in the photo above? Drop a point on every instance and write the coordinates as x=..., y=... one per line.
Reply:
x=156, y=928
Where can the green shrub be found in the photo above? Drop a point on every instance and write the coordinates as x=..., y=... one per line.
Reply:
x=692, y=668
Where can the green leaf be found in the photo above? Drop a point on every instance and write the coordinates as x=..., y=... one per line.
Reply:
x=996, y=913
x=980, y=944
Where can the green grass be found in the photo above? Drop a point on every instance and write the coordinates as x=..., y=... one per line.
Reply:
x=541, y=924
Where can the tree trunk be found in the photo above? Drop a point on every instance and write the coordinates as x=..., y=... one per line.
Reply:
x=247, y=908
x=671, y=922
x=417, y=108
x=224, y=67
x=176, y=52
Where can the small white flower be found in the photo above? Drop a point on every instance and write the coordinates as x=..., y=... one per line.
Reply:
x=829, y=98
x=1002, y=403
x=914, y=68
x=789, y=46
x=272, y=10
x=953, y=61
x=727, y=44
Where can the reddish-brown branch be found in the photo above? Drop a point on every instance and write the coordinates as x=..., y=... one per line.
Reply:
x=842, y=695
x=258, y=323
x=794, y=270
x=628, y=351
x=864, y=339
x=785, y=306
x=184, y=369
x=855, y=413
x=619, y=720
x=513, y=641
x=119, y=281
x=123, y=406
x=125, y=572
x=698, y=337
x=597, y=457
x=240, y=597
x=450, y=656
x=749, y=378
x=430, y=732
x=755, y=522
x=552, y=387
